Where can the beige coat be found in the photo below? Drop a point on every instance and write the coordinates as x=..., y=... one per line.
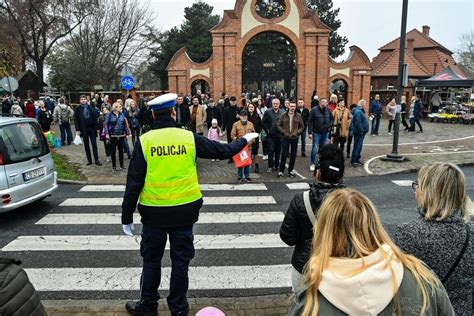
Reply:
x=341, y=116
x=239, y=130
x=200, y=117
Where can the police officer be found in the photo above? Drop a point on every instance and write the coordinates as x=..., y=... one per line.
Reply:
x=162, y=178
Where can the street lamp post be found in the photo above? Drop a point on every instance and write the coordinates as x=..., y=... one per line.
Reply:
x=395, y=156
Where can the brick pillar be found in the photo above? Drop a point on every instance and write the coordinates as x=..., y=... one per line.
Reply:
x=172, y=84
x=183, y=83
x=322, y=66
x=217, y=68
x=233, y=74
x=310, y=68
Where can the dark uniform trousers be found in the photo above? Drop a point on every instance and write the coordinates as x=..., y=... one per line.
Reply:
x=152, y=249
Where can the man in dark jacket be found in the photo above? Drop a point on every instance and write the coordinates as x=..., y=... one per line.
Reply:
x=375, y=111
x=270, y=120
x=165, y=185
x=304, y=112
x=231, y=115
x=417, y=113
x=86, y=123
x=183, y=117
x=290, y=125
x=297, y=229
x=360, y=127
x=319, y=124
x=213, y=112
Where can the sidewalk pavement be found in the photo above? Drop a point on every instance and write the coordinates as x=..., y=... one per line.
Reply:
x=453, y=142
x=275, y=305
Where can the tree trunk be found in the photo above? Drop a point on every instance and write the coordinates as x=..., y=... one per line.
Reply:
x=40, y=73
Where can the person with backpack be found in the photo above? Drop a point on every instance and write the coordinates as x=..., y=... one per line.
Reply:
x=297, y=227
x=63, y=115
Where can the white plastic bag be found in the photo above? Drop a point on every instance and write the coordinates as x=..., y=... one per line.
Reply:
x=77, y=140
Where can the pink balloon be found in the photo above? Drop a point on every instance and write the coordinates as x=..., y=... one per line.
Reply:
x=210, y=311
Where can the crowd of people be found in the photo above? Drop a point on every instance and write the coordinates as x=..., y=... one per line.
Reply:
x=344, y=262
x=282, y=125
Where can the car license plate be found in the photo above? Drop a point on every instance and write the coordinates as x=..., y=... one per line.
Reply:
x=33, y=174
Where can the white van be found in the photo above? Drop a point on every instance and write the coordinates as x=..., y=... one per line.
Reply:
x=26, y=167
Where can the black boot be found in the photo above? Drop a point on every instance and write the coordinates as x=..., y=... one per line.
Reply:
x=141, y=308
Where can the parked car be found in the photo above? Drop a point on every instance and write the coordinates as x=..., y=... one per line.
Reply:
x=26, y=167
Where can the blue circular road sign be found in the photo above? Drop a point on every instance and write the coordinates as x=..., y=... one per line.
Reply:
x=127, y=82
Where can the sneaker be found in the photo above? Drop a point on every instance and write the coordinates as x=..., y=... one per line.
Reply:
x=265, y=157
x=312, y=168
x=358, y=163
x=108, y=159
x=373, y=134
x=247, y=180
x=353, y=165
x=140, y=308
x=114, y=169
x=292, y=174
x=280, y=174
x=303, y=155
x=98, y=163
x=239, y=180
x=122, y=168
x=269, y=170
x=390, y=134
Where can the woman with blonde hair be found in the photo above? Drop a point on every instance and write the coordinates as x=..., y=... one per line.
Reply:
x=355, y=268
x=442, y=235
x=116, y=131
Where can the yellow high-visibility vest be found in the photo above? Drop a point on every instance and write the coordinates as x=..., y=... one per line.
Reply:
x=171, y=177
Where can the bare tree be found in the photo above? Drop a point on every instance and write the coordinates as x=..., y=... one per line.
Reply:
x=39, y=24
x=107, y=40
x=466, y=51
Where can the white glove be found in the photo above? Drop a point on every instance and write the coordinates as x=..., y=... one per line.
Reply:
x=128, y=229
x=250, y=136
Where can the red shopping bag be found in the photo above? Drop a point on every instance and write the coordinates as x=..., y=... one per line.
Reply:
x=243, y=158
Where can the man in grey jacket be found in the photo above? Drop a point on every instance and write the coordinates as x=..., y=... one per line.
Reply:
x=270, y=120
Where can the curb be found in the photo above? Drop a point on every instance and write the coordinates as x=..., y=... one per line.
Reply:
x=405, y=171
x=231, y=306
x=65, y=181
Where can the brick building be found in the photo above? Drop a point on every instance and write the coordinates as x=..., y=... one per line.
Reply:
x=425, y=57
x=230, y=71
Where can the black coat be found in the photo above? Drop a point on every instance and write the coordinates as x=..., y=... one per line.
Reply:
x=80, y=123
x=296, y=229
x=230, y=117
x=213, y=112
x=304, y=115
x=184, y=117
x=256, y=121
x=17, y=294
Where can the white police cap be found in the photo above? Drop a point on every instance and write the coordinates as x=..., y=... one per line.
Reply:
x=164, y=101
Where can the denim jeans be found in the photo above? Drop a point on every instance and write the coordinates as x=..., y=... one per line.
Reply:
x=303, y=140
x=152, y=248
x=126, y=147
x=375, y=125
x=243, y=172
x=274, y=150
x=319, y=140
x=358, y=142
x=292, y=146
x=65, y=129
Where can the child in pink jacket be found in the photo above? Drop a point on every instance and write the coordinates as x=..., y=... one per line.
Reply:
x=214, y=132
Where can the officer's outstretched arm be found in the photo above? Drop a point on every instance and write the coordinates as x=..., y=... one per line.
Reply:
x=208, y=149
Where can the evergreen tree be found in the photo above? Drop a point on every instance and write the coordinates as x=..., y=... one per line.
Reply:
x=193, y=34
x=328, y=16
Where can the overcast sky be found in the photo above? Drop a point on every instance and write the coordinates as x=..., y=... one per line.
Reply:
x=368, y=24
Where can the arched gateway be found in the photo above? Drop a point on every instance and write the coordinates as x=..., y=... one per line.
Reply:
x=253, y=20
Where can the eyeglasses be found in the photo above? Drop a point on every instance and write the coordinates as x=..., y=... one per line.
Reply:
x=414, y=185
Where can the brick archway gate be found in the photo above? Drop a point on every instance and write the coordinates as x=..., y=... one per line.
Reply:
x=302, y=26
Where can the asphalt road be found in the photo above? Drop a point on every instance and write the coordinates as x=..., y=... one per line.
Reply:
x=395, y=203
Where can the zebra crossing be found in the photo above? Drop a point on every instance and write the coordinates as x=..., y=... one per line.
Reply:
x=79, y=247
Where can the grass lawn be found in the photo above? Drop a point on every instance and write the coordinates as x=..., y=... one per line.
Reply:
x=64, y=169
